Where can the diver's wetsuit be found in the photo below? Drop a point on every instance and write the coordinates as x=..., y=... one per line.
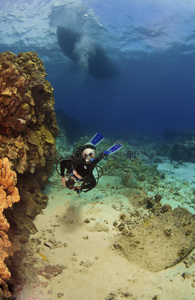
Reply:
x=85, y=170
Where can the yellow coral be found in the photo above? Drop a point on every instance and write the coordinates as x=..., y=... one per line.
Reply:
x=48, y=137
x=26, y=103
x=7, y=92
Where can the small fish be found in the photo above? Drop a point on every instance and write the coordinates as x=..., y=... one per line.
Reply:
x=43, y=256
x=45, y=244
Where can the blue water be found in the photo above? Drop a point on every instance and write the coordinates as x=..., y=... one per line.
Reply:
x=151, y=42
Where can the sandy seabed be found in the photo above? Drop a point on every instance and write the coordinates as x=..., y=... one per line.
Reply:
x=72, y=257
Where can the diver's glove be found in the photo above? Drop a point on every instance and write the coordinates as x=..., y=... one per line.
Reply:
x=78, y=190
x=105, y=153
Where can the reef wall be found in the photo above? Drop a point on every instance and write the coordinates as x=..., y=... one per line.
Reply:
x=28, y=130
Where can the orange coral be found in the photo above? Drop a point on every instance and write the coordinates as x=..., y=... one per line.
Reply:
x=8, y=195
x=8, y=192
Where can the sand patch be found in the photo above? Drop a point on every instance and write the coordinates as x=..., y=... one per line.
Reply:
x=160, y=241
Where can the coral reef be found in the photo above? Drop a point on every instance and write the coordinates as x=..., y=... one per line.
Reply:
x=27, y=120
x=28, y=129
x=8, y=195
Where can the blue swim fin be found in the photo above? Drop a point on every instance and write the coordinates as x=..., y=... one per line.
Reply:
x=114, y=148
x=96, y=139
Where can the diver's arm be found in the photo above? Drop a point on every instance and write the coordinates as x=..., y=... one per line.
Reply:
x=101, y=156
x=65, y=164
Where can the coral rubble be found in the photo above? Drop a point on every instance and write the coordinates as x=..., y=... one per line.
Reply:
x=8, y=195
x=28, y=130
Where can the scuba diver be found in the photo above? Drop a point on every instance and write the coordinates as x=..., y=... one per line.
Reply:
x=79, y=167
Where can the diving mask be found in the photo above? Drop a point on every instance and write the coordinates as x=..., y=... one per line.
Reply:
x=88, y=154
